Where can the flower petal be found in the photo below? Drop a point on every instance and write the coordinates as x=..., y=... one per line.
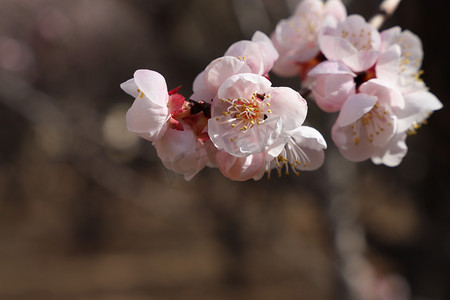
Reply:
x=147, y=119
x=241, y=168
x=417, y=108
x=130, y=88
x=181, y=152
x=392, y=154
x=257, y=139
x=354, y=108
x=153, y=85
x=289, y=105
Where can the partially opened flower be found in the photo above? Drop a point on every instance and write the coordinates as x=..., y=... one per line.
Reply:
x=256, y=56
x=154, y=108
x=149, y=113
x=259, y=53
x=249, y=115
x=207, y=83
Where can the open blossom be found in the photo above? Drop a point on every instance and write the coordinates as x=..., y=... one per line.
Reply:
x=249, y=115
x=296, y=37
x=367, y=121
x=256, y=56
x=354, y=42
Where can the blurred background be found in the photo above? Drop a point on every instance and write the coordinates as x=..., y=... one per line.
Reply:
x=87, y=211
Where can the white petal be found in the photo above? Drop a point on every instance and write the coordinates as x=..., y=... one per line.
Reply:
x=130, y=88
x=289, y=105
x=147, y=119
x=331, y=67
x=384, y=91
x=221, y=69
x=243, y=85
x=345, y=141
x=153, y=85
x=388, y=64
x=257, y=139
x=354, y=108
x=418, y=106
x=336, y=48
x=392, y=154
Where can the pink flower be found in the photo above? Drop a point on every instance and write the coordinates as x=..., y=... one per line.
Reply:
x=154, y=108
x=296, y=37
x=259, y=53
x=249, y=115
x=367, y=121
x=354, y=42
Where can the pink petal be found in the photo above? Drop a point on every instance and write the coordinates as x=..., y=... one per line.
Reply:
x=181, y=152
x=331, y=91
x=241, y=168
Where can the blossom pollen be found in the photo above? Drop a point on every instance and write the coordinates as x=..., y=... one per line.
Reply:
x=374, y=122
x=290, y=159
x=245, y=113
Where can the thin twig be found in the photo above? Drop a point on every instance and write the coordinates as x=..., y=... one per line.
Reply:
x=387, y=9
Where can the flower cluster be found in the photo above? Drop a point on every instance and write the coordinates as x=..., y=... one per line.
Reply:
x=237, y=121
x=372, y=79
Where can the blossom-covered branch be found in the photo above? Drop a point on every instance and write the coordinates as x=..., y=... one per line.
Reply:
x=237, y=121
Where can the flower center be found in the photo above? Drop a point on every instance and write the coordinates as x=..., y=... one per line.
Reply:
x=244, y=113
